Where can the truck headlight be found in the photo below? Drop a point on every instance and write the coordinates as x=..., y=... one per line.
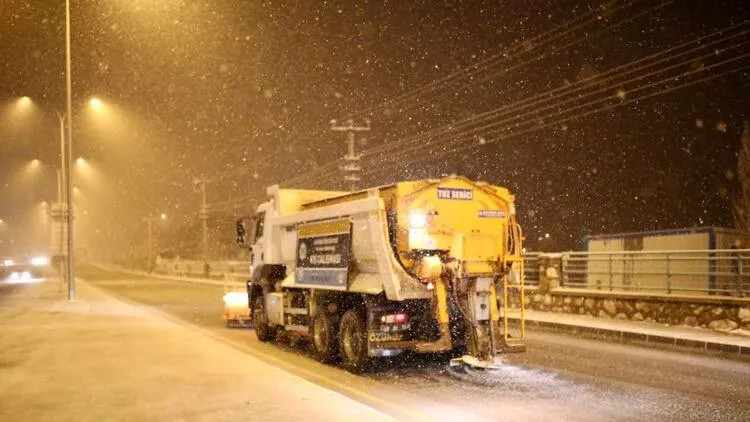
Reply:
x=417, y=220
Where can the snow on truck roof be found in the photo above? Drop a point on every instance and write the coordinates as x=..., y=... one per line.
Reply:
x=292, y=200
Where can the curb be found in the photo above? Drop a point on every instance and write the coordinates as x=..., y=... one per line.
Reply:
x=634, y=338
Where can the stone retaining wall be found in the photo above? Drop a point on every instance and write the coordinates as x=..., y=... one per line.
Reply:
x=723, y=314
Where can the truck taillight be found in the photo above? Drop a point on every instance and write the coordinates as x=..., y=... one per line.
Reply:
x=394, y=318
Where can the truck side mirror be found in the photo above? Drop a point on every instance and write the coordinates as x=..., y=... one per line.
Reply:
x=242, y=232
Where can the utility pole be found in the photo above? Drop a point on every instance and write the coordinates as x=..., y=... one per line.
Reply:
x=203, y=215
x=61, y=201
x=68, y=181
x=351, y=165
x=149, y=221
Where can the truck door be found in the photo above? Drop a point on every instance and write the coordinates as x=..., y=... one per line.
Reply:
x=257, y=255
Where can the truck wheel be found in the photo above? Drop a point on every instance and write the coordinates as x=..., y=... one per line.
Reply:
x=263, y=330
x=353, y=342
x=323, y=333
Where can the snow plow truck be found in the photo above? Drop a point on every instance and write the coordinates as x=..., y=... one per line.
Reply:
x=427, y=266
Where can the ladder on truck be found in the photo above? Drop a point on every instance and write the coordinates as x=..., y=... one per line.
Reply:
x=513, y=300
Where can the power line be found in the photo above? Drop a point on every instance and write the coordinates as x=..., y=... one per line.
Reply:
x=515, y=116
x=388, y=146
x=510, y=107
x=505, y=55
x=541, y=98
x=502, y=56
x=321, y=170
x=580, y=85
x=454, y=149
x=380, y=169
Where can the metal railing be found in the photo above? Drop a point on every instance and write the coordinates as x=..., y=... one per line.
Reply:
x=713, y=272
x=240, y=269
x=211, y=269
x=531, y=268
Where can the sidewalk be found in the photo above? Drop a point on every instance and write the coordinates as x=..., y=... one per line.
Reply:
x=640, y=332
x=101, y=359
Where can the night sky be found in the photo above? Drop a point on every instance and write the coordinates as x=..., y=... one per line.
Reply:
x=242, y=92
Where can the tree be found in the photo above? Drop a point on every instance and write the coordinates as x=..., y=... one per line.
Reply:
x=741, y=201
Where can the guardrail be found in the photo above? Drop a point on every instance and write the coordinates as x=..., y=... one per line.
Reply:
x=240, y=269
x=713, y=272
x=211, y=269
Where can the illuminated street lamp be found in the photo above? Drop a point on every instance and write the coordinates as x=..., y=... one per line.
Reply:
x=24, y=102
x=96, y=103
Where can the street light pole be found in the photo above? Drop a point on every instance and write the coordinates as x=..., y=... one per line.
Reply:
x=149, y=220
x=67, y=172
x=203, y=216
x=61, y=184
x=61, y=245
x=150, y=243
x=61, y=170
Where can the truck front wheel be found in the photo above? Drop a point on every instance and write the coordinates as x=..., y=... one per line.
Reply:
x=323, y=333
x=263, y=330
x=353, y=342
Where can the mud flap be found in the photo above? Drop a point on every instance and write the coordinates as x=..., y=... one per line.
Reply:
x=476, y=363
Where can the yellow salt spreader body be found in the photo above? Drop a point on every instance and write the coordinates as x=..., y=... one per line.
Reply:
x=428, y=266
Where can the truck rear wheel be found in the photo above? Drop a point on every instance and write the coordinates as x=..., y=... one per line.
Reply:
x=263, y=330
x=353, y=342
x=324, y=339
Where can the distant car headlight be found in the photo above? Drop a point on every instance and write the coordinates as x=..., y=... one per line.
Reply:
x=39, y=261
x=15, y=275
